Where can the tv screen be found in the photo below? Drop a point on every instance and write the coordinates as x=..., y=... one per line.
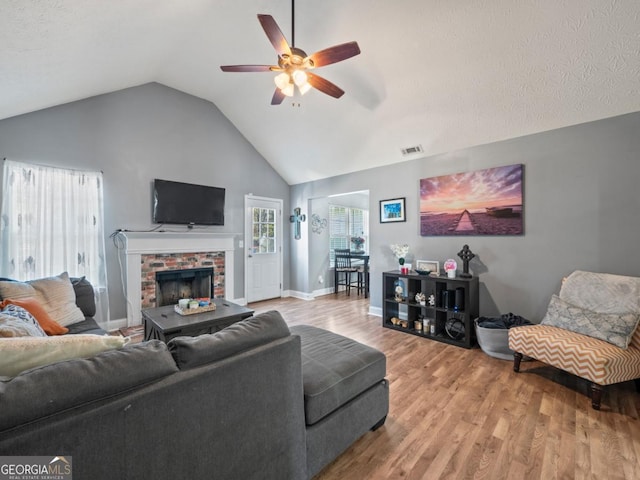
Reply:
x=187, y=204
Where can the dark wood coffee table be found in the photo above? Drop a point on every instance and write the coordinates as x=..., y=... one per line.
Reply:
x=163, y=323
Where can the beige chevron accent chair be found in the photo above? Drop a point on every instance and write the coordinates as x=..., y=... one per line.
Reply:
x=590, y=330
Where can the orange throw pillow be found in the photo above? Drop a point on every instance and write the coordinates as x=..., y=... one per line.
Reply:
x=31, y=305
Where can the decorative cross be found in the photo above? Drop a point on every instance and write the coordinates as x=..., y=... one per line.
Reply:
x=466, y=255
x=296, y=218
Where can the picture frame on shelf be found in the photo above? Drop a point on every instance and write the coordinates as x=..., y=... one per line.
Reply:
x=432, y=266
x=393, y=210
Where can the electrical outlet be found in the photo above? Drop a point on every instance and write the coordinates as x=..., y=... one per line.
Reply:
x=320, y=279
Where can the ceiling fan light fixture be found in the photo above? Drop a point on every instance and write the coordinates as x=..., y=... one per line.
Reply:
x=301, y=80
x=288, y=90
x=293, y=62
x=282, y=80
x=304, y=88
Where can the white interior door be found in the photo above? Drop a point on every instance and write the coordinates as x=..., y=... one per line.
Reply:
x=263, y=245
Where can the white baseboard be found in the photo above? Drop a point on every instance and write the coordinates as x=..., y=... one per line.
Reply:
x=322, y=292
x=375, y=311
x=300, y=295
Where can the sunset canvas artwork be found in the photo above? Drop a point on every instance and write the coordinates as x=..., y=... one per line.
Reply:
x=483, y=202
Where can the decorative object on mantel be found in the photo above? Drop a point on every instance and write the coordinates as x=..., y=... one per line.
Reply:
x=296, y=218
x=400, y=251
x=466, y=255
x=318, y=224
x=450, y=267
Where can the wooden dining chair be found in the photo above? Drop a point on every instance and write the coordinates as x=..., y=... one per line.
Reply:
x=363, y=279
x=343, y=272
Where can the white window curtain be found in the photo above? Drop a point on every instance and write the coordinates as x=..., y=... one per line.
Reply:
x=52, y=222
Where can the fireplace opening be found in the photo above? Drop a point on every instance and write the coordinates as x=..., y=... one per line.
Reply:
x=172, y=285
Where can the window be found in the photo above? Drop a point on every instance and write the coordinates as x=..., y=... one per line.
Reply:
x=52, y=222
x=264, y=230
x=346, y=223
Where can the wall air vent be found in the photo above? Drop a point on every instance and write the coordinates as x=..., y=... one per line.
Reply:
x=412, y=150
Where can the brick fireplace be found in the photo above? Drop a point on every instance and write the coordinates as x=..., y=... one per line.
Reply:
x=154, y=263
x=150, y=252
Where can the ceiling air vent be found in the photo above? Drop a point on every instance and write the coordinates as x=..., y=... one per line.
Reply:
x=412, y=150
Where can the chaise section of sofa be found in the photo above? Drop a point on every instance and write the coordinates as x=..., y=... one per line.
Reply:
x=345, y=393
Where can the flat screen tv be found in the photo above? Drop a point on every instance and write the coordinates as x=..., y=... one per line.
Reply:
x=187, y=204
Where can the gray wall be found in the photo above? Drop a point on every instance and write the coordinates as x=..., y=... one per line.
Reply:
x=581, y=205
x=582, y=211
x=136, y=135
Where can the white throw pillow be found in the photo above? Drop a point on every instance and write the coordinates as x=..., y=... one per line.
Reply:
x=615, y=328
x=15, y=321
x=55, y=294
x=22, y=353
x=602, y=292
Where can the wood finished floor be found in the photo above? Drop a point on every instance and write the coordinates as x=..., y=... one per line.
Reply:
x=460, y=414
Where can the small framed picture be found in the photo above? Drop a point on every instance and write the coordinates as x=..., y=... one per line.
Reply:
x=432, y=266
x=392, y=210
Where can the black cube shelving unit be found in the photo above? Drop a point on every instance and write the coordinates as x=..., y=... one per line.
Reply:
x=455, y=306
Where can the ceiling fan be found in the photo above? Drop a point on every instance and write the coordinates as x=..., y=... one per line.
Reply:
x=294, y=64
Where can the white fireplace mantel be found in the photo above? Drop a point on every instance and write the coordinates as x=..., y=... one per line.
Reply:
x=142, y=243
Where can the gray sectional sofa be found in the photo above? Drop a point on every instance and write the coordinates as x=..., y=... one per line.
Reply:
x=256, y=400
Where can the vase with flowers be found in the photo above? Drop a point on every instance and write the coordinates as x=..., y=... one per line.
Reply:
x=400, y=251
x=358, y=242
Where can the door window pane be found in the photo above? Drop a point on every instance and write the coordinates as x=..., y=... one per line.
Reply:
x=264, y=230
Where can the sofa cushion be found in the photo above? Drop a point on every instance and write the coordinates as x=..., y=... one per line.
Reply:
x=615, y=328
x=249, y=333
x=23, y=353
x=15, y=321
x=55, y=294
x=335, y=369
x=85, y=299
x=48, y=324
x=43, y=391
x=88, y=325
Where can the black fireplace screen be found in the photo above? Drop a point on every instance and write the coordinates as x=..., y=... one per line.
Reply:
x=172, y=285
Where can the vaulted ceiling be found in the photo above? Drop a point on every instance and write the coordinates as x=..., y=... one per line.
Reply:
x=440, y=74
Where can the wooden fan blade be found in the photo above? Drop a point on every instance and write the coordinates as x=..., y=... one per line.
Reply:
x=248, y=68
x=335, y=54
x=278, y=97
x=325, y=86
x=275, y=35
